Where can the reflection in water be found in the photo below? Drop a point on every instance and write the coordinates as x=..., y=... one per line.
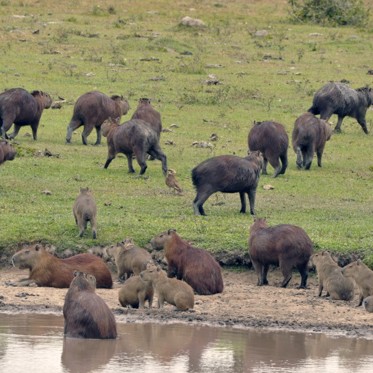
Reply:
x=35, y=343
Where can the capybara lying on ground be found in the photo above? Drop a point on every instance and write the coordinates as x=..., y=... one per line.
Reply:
x=285, y=245
x=309, y=136
x=91, y=110
x=86, y=314
x=368, y=303
x=340, y=99
x=271, y=139
x=134, y=137
x=195, y=266
x=85, y=210
x=135, y=292
x=7, y=152
x=147, y=113
x=331, y=278
x=227, y=174
x=48, y=270
x=23, y=109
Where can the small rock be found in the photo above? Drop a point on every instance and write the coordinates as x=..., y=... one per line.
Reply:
x=192, y=22
x=268, y=187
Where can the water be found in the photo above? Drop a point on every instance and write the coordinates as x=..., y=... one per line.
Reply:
x=34, y=343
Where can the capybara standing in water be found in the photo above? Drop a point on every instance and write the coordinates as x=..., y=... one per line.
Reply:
x=85, y=210
x=271, y=139
x=7, y=152
x=368, y=303
x=195, y=266
x=147, y=113
x=309, y=136
x=331, y=278
x=23, y=109
x=50, y=271
x=91, y=110
x=285, y=245
x=86, y=314
x=135, y=292
x=227, y=174
x=340, y=99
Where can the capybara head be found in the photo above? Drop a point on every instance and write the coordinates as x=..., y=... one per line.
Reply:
x=259, y=223
x=122, y=102
x=352, y=269
x=368, y=303
x=28, y=257
x=108, y=125
x=158, y=241
x=320, y=258
x=151, y=273
x=7, y=151
x=45, y=98
x=255, y=156
x=83, y=281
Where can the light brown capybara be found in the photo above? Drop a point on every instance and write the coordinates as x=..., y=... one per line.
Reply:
x=86, y=314
x=7, y=151
x=195, y=266
x=331, y=278
x=85, y=210
x=135, y=293
x=170, y=290
x=368, y=303
x=50, y=271
x=285, y=245
x=147, y=113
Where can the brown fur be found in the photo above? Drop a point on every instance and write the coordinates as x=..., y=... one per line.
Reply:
x=147, y=113
x=368, y=303
x=285, y=245
x=172, y=182
x=135, y=292
x=85, y=210
x=7, y=152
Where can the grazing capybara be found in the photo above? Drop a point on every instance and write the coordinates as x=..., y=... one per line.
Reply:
x=227, y=174
x=170, y=290
x=368, y=303
x=91, y=110
x=284, y=245
x=7, y=151
x=309, y=136
x=271, y=139
x=340, y=99
x=134, y=137
x=172, y=182
x=85, y=210
x=147, y=113
x=135, y=293
x=331, y=278
x=50, y=271
x=195, y=266
x=363, y=277
x=86, y=314
x=23, y=109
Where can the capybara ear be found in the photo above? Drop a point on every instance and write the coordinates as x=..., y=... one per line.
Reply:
x=76, y=273
x=37, y=247
x=170, y=231
x=358, y=262
x=158, y=268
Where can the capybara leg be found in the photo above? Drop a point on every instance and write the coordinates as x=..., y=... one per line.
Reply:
x=299, y=160
x=274, y=160
x=277, y=171
x=259, y=272
x=286, y=272
x=319, y=155
x=264, y=274
x=141, y=296
x=71, y=128
x=304, y=275
x=87, y=130
x=98, y=132
x=251, y=194
x=160, y=301
x=361, y=297
x=265, y=162
x=108, y=161
x=94, y=228
x=284, y=161
x=243, y=203
x=198, y=203
x=158, y=154
x=131, y=170
x=363, y=124
x=339, y=124
x=307, y=158
x=15, y=132
x=34, y=129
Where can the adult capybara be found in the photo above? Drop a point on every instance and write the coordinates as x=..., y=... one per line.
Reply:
x=147, y=113
x=271, y=139
x=331, y=278
x=170, y=290
x=135, y=293
x=227, y=174
x=309, y=136
x=86, y=314
x=363, y=277
x=134, y=137
x=85, y=210
x=340, y=99
x=368, y=303
x=7, y=151
x=91, y=110
x=23, y=109
x=48, y=270
x=285, y=245
x=195, y=266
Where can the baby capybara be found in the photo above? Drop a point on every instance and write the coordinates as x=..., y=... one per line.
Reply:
x=85, y=210
x=135, y=293
x=147, y=113
x=7, y=152
x=86, y=314
x=368, y=304
x=285, y=245
x=271, y=139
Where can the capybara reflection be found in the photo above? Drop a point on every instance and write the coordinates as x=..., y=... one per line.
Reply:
x=85, y=210
x=135, y=293
x=147, y=113
x=368, y=303
x=86, y=314
x=7, y=151
x=285, y=245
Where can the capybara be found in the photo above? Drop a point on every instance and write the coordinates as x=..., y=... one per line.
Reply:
x=170, y=290
x=368, y=303
x=134, y=137
x=271, y=139
x=309, y=136
x=91, y=110
x=172, y=182
x=135, y=292
x=363, y=277
x=285, y=245
x=340, y=99
x=85, y=210
x=23, y=109
x=147, y=113
x=195, y=266
x=331, y=278
x=86, y=314
x=7, y=151
x=50, y=271
x=227, y=174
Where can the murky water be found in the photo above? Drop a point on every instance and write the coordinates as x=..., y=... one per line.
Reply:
x=35, y=343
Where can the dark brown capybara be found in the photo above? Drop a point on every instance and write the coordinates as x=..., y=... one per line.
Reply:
x=368, y=303
x=91, y=110
x=23, y=109
x=309, y=136
x=147, y=113
x=7, y=151
x=135, y=293
x=85, y=210
x=271, y=139
x=285, y=245
x=86, y=314
x=339, y=98
x=134, y=137
x=195, y=266
x=50, y=271
x=227, y=174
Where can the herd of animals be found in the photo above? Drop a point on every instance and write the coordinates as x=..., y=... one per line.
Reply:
x=190, y=270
